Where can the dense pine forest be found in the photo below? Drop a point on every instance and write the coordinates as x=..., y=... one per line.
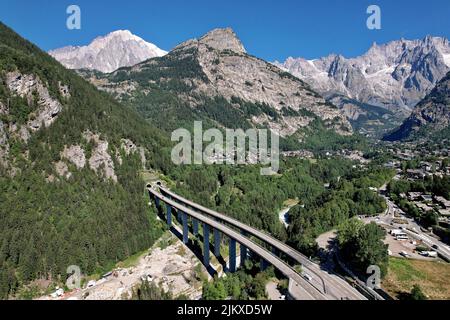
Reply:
x=86, y=220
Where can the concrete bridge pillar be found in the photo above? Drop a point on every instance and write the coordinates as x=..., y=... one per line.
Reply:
x=169, y=215
x=275, y=251
x=185, y=228
x=216, y=243
x=205, y=244
x=263, y=264
x=157, y=202
x=195, y=226
x=232, y=253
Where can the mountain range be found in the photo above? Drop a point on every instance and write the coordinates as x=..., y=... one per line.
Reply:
x=214, y=79
x=108, y=53
x=375, y=91
x=430, y=118
x=393, y=76
x=73, y=144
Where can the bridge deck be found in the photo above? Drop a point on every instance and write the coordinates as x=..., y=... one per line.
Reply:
x=330, y=284
x=284, y=268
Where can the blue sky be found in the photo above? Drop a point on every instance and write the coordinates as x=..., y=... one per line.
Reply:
x=269, y=29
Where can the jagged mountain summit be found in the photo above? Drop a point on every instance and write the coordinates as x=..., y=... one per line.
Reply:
x=394, y=76
x=430, y=117
x=106, y=54
x=214, y=79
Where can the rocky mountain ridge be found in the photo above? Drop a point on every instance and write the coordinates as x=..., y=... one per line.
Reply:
x=396, y=75
x=393, y=76
x=217, y=66
x=431, y=117
x=108, y=53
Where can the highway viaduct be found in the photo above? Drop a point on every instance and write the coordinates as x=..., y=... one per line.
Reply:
x=329, y=288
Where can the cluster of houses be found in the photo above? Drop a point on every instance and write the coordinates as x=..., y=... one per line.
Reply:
x=425, y=169
x=427, y=202
x=298, y=153
x=410, y=150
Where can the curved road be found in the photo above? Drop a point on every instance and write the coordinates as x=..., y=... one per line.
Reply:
x=290, y=273
x=332, y=285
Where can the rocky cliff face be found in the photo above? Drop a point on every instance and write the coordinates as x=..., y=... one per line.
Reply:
x=33, y=90
x=106, y=54
x=395, y=76
x=430, y=116
x=217, y=66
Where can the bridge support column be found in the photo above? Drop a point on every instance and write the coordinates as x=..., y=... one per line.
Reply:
x=169, y=215
x=179, y=216
x=216, y=242
x=243, y=254
x=185, y=228
x=195, y=226
x=205, y=244
x=232, y=253
x=274, y=251
x=291, y=285
x=157, y=202
x=263, y=264
x=243, y=251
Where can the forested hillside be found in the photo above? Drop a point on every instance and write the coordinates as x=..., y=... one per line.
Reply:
x=430, y=118
x=254, y=199
x=70, y=157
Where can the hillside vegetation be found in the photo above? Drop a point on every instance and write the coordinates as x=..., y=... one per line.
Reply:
x=49, y=218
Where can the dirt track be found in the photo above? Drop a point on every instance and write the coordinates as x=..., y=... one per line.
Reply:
x=172, y=268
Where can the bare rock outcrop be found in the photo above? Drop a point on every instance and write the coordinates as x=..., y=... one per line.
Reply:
x=3, y=108
x=64, y=90
x=75, y=154
x=223, y=39
x=4, y=146
x=26, y=86
x=100, y=158
x=128, y=146
x=62, y=169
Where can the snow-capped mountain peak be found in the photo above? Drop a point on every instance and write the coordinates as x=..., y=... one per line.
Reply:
x=395, y=75
x=107, y=53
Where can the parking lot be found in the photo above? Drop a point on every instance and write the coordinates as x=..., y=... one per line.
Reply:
x=396, y=247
